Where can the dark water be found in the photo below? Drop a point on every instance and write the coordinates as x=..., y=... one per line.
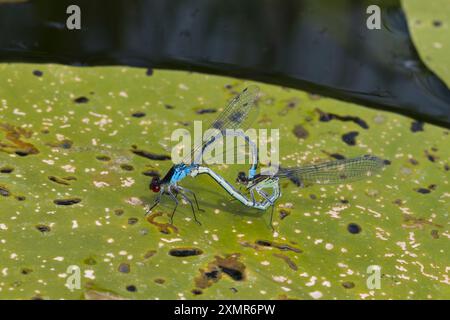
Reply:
x=322, y=46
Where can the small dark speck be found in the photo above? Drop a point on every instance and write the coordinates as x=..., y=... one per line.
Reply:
x=423, y=190
x=446, y=167
x=138, y=114
x=197, y=292
x=26, y=271
x=344, y=201
x=43, y=228
x=38, y=73
x=204, y=111
x=149, y=72
x=417, y=126
x=81, y=100
x=132, y=221
x=126, y=167
x=350, y=138
x=118, y=212
x=437, y=23
x=169, y=107
x=124, y=268
x=353, y=228
x=386, y=162
x=348, y=285
x=300, y=132
x=131, y=288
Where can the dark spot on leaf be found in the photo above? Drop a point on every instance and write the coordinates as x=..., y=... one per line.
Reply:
x=185, y=252
x=387, y=162
x=20, y=198
x=312, y=196
x=284, y=213
x=288, y=261
x=124, y=268
x=417, y=126
x=6, y=169
x=197, y=292
x=300, y=132
x=437, y=23
x=430, y=157
x=26, y=271
x=103, y=158
x=350, y=138
x=353, y=228
x=281, y=246
x=325, y=117
x=38, y=73
x=235, y=274
x=414, y=162
x=230, y=265
x=423, y=190
x=435, y=234
x=151, y=173
x=126, y=167
x=205, y=111
x=169, y=107
x=132, y=221
x=138, y=114
x=43, y=228
x=344, y=201
x=159, y=281
x=81, y=100
x=398, y=202
x=149, y=254
x=149, y=155
x=66, y=202
x=446, y=167
x=149, y=72
x=348, y=285
x=131, y=288
x=58, y=180
x=118, y=212
x=4, y=191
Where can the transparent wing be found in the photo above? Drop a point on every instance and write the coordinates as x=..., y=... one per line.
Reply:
x=334, y=172
x=239, y=114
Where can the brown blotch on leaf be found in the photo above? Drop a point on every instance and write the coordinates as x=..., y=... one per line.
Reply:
x=300, y=132
x=165, y=228
x=286, y=259
x=284, y=213
x=4, y=191
x=348, y=285
x=124, y=268
x=159, y=281
x=280, y=246
x=411, y=222
x=149, y=254
x=58, y=180
x=14, y=143
x=229, y=265
x=434, y=234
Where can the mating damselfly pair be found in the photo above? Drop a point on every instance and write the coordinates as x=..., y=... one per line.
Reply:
x=239, y=115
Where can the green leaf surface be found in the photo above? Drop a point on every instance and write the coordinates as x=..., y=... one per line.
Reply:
x=66, y=135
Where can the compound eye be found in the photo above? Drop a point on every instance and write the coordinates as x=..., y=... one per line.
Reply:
x=155, y=184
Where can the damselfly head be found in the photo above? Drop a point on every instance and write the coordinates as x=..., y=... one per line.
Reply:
x=155, y=184
x=242, y=178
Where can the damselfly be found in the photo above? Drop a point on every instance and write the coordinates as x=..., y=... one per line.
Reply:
x=237, y=115
x=332, y=172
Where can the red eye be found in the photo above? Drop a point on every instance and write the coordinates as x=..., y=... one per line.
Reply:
x=155, y=185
